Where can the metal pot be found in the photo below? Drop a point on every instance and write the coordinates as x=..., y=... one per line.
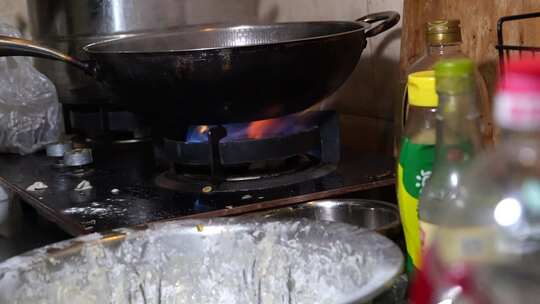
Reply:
x=69, y=25
x=208, y=261
x=370, y=214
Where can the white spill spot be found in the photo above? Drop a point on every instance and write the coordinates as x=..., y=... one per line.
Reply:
x=84, y=185
x=229, y=207
x=115, y=191
x=37, y=186
x=247, y=196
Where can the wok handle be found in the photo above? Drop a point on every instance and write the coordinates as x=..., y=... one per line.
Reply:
x=11, y=46
x=388, y=18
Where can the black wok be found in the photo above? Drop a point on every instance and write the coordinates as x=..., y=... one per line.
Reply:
x=222, y=74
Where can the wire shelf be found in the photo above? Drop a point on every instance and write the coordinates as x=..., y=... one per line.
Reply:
x=507, y=51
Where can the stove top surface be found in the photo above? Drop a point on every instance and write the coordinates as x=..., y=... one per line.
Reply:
x=124, y=191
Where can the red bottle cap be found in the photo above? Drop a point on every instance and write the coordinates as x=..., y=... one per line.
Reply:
x=517, y=103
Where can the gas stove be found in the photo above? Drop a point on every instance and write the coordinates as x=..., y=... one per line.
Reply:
x=198, y=171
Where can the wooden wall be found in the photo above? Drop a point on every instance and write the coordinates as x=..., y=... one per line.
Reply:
x=479, y=29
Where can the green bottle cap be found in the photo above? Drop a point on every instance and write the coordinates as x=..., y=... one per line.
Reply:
x=454, y=76
x=454, y=67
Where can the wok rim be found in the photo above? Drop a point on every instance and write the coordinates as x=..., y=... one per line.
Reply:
x=362, y=27
x=330, y=203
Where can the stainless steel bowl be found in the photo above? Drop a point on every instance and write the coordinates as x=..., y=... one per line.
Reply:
x=370, y=214
x=208, y=261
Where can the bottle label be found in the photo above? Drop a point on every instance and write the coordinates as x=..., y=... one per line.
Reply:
x=518, y=110
x=414, y=169
x=460, y=244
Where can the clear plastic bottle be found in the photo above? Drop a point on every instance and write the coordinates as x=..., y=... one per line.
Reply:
x=488, y=250
x=443, y=42
x=458, y=141
x=416, y=158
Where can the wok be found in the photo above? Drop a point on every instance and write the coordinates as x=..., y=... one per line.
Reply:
x=222, y=74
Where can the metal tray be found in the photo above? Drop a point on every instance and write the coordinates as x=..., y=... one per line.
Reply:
x=208, y=261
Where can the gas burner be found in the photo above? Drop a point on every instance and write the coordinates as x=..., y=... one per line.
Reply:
x=248, y=177
x=253, y=156
x=99, y=124
x=251, y=171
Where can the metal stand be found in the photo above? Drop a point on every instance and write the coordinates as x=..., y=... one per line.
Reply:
x=215, y=135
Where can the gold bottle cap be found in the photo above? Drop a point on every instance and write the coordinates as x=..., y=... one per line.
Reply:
x=443, y=31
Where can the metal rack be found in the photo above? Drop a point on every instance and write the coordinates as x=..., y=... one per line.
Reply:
x=506, y=51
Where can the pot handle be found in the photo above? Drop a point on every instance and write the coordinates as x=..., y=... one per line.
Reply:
x=388, y=18
x=11, y=46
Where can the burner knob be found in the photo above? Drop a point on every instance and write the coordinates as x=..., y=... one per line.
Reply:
x=78, y=157
x=58, y=149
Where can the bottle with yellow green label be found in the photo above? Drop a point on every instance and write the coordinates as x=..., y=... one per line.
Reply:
x=416, y=157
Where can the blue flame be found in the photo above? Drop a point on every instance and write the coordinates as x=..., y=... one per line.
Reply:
x=239, y=131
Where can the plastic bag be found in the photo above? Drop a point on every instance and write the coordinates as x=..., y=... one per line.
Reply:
x=30, y=115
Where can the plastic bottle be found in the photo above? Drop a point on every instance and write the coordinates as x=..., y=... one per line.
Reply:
x=416, y=157
x=444, y=41
x=488, y=250
x=458, y=141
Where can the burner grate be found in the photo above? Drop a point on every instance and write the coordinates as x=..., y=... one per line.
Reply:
x=282, y=158
x=185, y=183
